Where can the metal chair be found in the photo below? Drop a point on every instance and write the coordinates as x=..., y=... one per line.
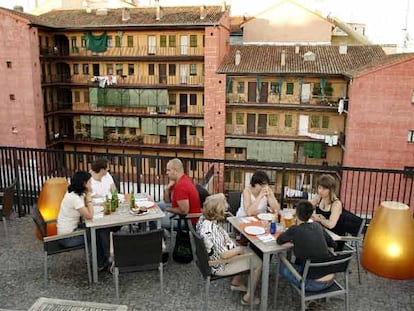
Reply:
x=137, y=252
x=234, y=200
x=7, y=206
x=313, y=269
x=353, y=226
x=204, y=265
x=52, y=246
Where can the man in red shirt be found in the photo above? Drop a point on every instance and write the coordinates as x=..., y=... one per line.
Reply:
x=181, y=191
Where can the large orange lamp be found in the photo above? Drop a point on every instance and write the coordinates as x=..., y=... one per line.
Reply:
x=389, y=243
x=49, y=201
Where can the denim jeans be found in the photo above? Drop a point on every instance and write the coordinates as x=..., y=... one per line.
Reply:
x=72, y=242
x=165, y=221
x=310, y=285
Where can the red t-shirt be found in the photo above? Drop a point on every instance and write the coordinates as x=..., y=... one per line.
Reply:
x=184, y=189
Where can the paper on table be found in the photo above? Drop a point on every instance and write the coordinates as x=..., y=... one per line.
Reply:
x=266, y=238
x=98, y=216
x=248, y=219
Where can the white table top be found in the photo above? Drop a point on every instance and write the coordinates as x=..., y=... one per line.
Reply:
x=122, y=216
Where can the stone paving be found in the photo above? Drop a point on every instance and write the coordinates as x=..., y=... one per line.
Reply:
x=21, y=283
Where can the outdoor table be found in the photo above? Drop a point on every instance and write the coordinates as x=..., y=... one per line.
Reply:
x=267, y=248
x=121, y=217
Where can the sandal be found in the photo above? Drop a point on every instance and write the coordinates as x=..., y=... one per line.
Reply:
x=256, y=301
x=238, y=288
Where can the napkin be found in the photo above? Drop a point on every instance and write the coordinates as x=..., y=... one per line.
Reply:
x=248, y=219
x=266, y=238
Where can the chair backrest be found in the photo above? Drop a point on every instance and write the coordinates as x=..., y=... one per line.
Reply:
x=202, y=193
x=352, y=223
x=234, y=200
x=8, y=198
x=117, y=182
x=201, y=254
x=334, y=264
x=39, y=221
x=142, y=249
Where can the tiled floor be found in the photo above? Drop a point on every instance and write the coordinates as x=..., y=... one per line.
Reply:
x=21, y=283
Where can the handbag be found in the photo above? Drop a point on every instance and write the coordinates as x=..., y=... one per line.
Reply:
x=182, y=252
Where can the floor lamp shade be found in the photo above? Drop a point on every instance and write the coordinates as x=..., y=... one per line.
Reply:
x=49, y=201
x=389, y=242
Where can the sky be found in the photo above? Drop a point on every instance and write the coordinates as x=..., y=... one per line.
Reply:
x=385, y=19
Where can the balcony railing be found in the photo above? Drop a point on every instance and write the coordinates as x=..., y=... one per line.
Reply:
x=141, y=51
x=360, y=189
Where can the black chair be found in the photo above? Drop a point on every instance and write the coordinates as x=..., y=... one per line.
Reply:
x=137, y=252
x=353, y=226
x=313, y=269
x=234, y=200
x=52, y=246
x=204, y=265
x=7, y=206
x=202, y=193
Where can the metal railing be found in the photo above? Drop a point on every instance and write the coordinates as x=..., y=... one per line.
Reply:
x=360, y=189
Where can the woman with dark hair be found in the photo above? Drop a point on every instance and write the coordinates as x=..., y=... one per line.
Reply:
x=328, y=208
x=258, y=196
x=77, y=202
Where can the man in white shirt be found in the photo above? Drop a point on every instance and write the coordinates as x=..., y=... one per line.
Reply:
x=102, y=182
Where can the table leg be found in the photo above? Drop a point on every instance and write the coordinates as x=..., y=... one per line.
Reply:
x=265, y=281
x=94, y=256
x=159, y=224
x=276, y=279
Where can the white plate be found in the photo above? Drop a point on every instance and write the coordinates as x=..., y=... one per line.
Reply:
x=98, y=209
x=265, y=216
x=144, y=204
x=140, y=214
x=254, y=230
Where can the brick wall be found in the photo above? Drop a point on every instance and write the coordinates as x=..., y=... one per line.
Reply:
x=21, y=119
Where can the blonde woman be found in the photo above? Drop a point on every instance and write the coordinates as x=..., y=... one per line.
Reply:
x=328, y=208
x=220, y=246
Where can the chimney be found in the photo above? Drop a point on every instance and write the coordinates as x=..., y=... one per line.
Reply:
x=223, y=6
x=18, y=8
x=297, y=49
x=157, y=10
x=283, y=58
x=125, y=15
x=202, y=12
x=343, y=49
x=237, y=58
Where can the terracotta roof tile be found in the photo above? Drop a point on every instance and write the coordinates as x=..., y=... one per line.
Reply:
x=266, y=59
x=175, y=16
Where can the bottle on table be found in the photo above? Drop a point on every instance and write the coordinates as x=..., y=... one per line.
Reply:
x=114, y=201
x=273, y=225
x=132, y=200
x=107, y=206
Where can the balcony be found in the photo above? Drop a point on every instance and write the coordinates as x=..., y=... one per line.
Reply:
x=141, y=52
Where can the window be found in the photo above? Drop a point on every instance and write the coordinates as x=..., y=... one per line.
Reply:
x=227, y=176
x=130, y=40
x=163, y=140
x=12, y=97
x=172, y=41
x=132, y=131
x=315, y=122
x=239, y=118
x=288, y=120
x=73, y=42
x=289, y=88
x=325, y=122
x=274, y=88
x=117, y=41
x=193, y=130
x=151, y=69
x=9, y=64
x=86, y=96
x=410, y=137
x=237, y=177
x=193, y=41
x=75, y=69
x=171, y=70
x=173, y=131
x=163, y=41
x=47, y=41
x=273, y=120
x=119, y=70
x=152, y=163
x=131, y=69
x=77, y=96
x=227, y=150
x=85, y=69
x=110, y=69
x=229, y=118
x=239, y=150
x=121, y=130
x=83, y=41
x=110, y=42
x=172, y=99
x=193, y=69
x=193, y=99
x=240, y=87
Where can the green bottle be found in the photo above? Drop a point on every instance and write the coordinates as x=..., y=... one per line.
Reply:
x=132, y=200
x=114, y=201
x=107, y=206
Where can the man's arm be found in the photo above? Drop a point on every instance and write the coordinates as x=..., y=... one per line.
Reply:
x=286, y=236
x=182, y=209
x=167, y=191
